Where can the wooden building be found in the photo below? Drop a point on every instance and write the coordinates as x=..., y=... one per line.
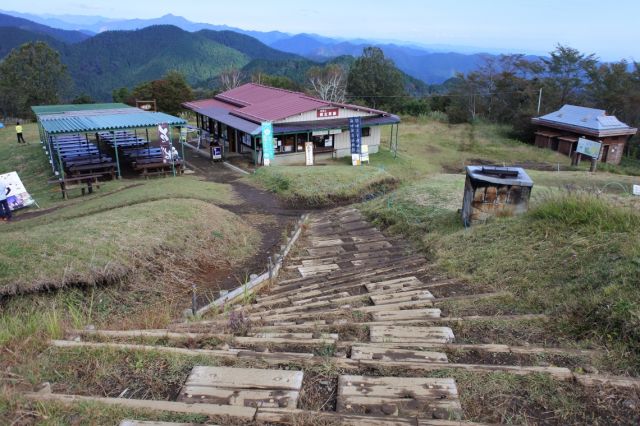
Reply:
x=560, y=131
x=233, y=120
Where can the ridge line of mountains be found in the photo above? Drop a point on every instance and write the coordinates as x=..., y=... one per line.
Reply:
x=129, y=52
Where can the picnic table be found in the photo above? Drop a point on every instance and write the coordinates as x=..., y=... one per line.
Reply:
x=86, y=184
x=156, y=166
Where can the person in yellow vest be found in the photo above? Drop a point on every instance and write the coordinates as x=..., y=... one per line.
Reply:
x=19, y=132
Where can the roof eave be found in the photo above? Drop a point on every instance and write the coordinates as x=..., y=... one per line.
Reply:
x=584, y=130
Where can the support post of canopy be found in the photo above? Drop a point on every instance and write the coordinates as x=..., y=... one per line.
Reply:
x=173, y=160
x=115, y=147
x=182, y=140
x=395, y=152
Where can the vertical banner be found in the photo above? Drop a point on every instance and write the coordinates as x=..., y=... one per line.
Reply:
x=267, y=143
x=18, y=196
x=355, y=132
x=165, y=142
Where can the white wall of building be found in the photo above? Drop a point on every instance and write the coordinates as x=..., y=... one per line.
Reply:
x=313, y=115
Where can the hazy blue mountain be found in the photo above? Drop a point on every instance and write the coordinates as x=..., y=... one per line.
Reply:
x=64, y=22
x=26, y=25
x=430, y=67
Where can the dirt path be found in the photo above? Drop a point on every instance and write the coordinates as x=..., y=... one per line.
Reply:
x=259, y=208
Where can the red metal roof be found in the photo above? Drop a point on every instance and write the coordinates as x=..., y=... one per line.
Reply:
x=258, y=103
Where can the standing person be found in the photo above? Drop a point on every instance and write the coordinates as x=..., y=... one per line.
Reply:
x=19, y=132
x=5, y=211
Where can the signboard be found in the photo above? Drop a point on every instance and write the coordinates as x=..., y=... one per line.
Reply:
x=183, y=134
x=308, y=153
x=146, y=105
x=267, y=142
x=355, y=159
x=364, y=155
x=636, y=189
x=216, y=153
x=327, y=112
x=18, y=196
x=165, y=142
x=589, y=148
x=355, y=132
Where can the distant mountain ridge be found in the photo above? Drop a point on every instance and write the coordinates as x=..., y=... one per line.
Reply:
x=65, y=36
x=432, y=65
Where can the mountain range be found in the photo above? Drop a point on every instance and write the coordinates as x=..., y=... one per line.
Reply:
x=103, y=54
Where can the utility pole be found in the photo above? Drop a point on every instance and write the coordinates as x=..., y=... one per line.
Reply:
x=539, y=100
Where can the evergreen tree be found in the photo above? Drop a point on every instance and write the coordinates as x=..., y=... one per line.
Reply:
x=169, y=92
x=31, y=74
x=376, y=80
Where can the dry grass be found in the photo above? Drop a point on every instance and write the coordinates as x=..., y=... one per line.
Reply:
x=106, y=246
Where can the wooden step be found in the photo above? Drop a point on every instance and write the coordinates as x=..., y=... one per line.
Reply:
x=399, y=396
x=401, y=296
x=403, y=334
x=248, y=387
x=390, y=354
x=242, y=415
x=307, y=271
x=152, y=423
x=407, y=314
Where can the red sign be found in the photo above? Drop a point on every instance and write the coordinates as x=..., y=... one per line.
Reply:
x=327, y=112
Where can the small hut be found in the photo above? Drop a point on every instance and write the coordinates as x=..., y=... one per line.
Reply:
x=495, y=191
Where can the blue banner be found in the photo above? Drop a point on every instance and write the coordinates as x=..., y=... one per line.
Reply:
x=355, y=131
x=267, y=141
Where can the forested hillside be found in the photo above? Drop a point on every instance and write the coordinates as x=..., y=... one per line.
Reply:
x=115, y=59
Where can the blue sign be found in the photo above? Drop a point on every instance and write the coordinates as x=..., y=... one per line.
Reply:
x=267, y=141
x=355, y=131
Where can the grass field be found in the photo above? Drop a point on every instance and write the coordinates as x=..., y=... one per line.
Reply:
x=323, y=185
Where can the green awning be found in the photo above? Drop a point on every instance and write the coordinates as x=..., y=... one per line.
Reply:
x=93, y=123
x=54, y=109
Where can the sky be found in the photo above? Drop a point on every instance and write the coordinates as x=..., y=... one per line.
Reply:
x=608, y=29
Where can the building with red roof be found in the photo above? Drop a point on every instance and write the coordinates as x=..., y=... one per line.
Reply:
x=233, y=120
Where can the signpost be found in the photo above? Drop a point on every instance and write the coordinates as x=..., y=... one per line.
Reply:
x=308, y=153
x=267, y=143
x=636, y=189
x=355, y=133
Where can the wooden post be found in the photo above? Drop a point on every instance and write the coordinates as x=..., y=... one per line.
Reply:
x=594, y=164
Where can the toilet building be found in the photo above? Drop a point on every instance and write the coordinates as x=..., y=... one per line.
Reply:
x=233, y=120
x=560, y=131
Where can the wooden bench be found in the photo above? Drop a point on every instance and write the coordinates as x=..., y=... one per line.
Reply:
x=155, y=167
x=100, y=169
x=85, y=182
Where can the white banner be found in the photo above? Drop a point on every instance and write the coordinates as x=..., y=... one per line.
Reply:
x=18, y=197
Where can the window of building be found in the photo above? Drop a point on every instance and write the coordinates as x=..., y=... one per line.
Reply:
x=323, y=143
x=366, y=131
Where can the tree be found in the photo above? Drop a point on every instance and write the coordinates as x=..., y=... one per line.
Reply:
x=230, y=78
x=278, y=81
x=31, y=74
x=376, y=80
x=567, y=71
x=328, y=83
x=122, y=95
x=83, y=98
x=169, y=92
